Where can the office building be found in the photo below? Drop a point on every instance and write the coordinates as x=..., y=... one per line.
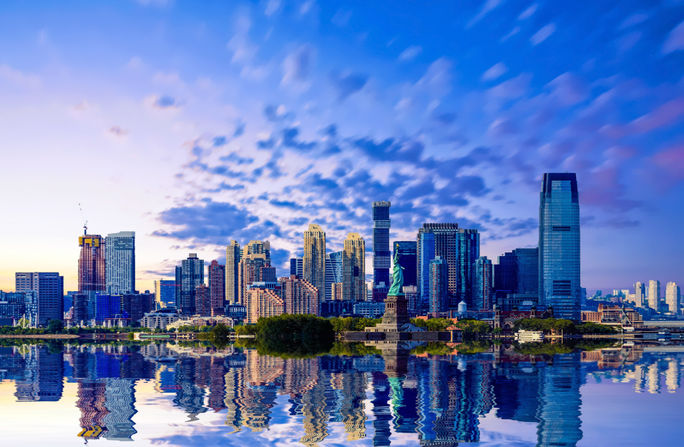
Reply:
x=559, y=245
x=134, y=306
x=672, y=297
x=45, y=296
x=439, y=296
x=482, y=285
x=337, y=291
x=381, y=250
x=165, y=293
x=232, y=272
x=189, y=275
x=468, y=253
x=406, y=253
x=301, y=297
x=425, y=253
x=516, y=279
x=217, y=290
x=12, y=307
x=314, y=258
x=639, y=294
x=120, y=262
x=202, y=301
x=353, y=268
x=106, y=307
x=91, y=264
x=333, y=272
x=654, y=294
x=255, y=258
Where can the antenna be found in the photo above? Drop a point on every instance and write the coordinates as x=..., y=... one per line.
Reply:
x=85, y=221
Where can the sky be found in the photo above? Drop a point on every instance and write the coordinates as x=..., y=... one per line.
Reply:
x=194, y=123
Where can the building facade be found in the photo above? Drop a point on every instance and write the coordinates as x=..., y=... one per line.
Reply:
x=313, y=262
x=468, y=253
x=217, y=289
x=639, y=294
x=91, y=264
x=439, y=278
x=333, y=272
x=482, y=285
x=189, y=275
x=301, y=297
x=202, y=301
x=407, y=254
x=165, y=293
x=263, y=303
x=46, y=290
x=672, y=297
x=654, y=294
x=353, y=268
x=255, y=258
x=232, y=276
x=559, y=245
x=120, y=262
x=381, y=249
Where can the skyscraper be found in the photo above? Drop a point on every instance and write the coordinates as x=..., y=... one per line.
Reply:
x=255, y=260
x=559, y=245
x=439, y=298
x=232, y=275
x=297, y=267
x=217, y=289
x=202, y=301
x=333, y=273
x=120, y=262
x=639, y=294
x=165, y=293
x=406, y=251
x=482, y=284
x=426, y=253
x=516, y=279
x=468, y=252
x=314, y=258
x=47, y=295
x=654, y=294
x=353, y=268
x=91, y=264
x=189, y=276
x=672, y=297
x=381, y=249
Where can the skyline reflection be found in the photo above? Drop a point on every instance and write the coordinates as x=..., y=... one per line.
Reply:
x=376, y=399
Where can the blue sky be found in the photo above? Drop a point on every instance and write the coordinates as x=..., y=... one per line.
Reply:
x=196, y=123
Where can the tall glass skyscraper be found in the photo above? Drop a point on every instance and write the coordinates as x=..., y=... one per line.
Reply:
x=120, y=263
x=408, y=257
x=189, y=275
x=333, y=272
x=313, y=264
x=381, y=250
x=559, y=245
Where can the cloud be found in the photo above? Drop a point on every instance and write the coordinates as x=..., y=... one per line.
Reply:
x=668, y=166
x=568, y=89
x=512, y=88
x=290, y=139
x=543, y=34
x=164, y=102
x=19, y=78
x=117, y=131
x=272, y=6
x=486, y=9
x=632, y=20
x=664, y=115
x=494, y=71
x=527, y=13
x=348, y=84
x=675, y=40
x=297, y=65
x=341, y=18
x=410, y=53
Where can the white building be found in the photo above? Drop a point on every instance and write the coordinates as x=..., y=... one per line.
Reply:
x=653, y=294
x=672, y=297
x=160, y=319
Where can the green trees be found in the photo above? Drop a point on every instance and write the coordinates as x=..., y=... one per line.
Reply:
x=561, y=326
x=344, y=324
x=432, y=324
x=295, y=334
x=474, y=328
x=55, y=326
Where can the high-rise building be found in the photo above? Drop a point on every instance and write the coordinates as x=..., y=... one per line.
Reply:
x=654, y=294
x=333, y=273
x=337, y=291
x=516, y=279
x=381, y=249
x=202, y=301
x=439, y=296
x=482, y=285
x=639, y=294
x=297, y=267
x=406, y=253
x=425, y=253
x=301, y=297
x=468, y=253
x=120, y=262
x=12, y=307
x=255, y=257
x=189, y=275
x=136, y=305
x=672, y=297
x=353, y=268
x=217, y=289
x=46, y=291
x=559, y=245
x=314, y=258
x=232, y=272
x=91, y=264
x=165, y=293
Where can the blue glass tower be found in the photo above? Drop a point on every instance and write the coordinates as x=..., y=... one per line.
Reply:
x=381, y=250
x=407, y=255
x=559, y=245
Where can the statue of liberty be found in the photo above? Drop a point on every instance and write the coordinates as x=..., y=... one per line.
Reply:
x=397, y=277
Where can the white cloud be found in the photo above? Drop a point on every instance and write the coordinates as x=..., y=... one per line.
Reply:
x=675, y=40
x=543, y=34
x=410, y=53
x=488, y=6
x=494, y=71
x=272, y=6
x=528, y=12
x=19, y=78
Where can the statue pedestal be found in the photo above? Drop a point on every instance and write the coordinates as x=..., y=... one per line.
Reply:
x=396, y=318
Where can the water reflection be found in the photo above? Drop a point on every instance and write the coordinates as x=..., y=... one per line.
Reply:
x=371, y=399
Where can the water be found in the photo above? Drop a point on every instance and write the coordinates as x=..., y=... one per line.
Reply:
x=198, y=395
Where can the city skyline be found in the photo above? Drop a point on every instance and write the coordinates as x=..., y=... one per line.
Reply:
x=249, y=121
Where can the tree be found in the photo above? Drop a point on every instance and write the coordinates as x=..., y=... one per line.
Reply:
x=55, y=326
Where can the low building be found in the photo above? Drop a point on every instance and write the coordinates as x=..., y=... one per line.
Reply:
x=523, y=336
x=369, y=309
x=160, y=319
x=199, y=321
x=613, y=315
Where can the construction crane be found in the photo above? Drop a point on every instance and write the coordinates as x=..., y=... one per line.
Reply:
x=85, y=221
